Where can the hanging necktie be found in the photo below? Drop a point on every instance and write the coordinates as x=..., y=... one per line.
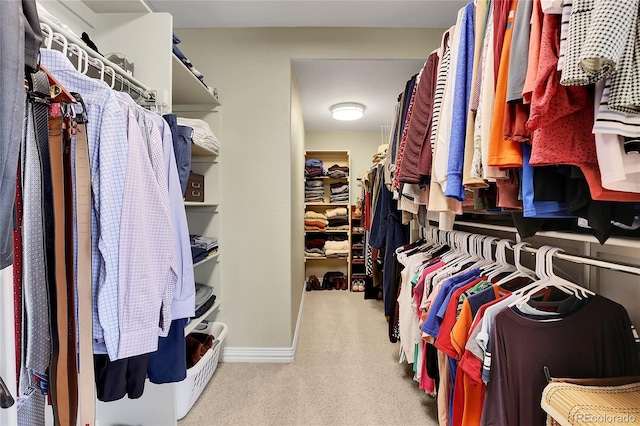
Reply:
x=17, y=272
x=37, y=240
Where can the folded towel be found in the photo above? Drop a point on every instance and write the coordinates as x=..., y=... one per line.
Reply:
x=338, y=211
x=314, y=184
x=310, y=214
x=336, y=245
x=338, y=167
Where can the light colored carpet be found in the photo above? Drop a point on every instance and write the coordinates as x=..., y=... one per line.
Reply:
x=346, y=372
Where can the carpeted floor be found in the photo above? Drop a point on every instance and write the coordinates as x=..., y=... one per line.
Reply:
x=345, y=373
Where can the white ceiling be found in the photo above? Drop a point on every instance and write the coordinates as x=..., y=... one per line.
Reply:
x=375, y=84
x=310, y=13
x=323, y=83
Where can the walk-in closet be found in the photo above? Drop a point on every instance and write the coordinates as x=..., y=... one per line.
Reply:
x=319, y=213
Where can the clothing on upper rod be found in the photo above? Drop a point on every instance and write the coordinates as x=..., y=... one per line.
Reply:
x=506, y=136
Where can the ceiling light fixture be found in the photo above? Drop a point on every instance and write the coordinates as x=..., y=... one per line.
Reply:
x=347, y=111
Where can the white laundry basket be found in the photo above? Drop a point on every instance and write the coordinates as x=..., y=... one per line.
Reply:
x=188, y=390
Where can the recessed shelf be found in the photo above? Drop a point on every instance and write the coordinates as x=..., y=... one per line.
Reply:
x=326, y=258
x=325, y=204
x=327, y=177
x=188, y=90
x=329, y=231
x=195, y=321
x=207, y=259
x=200, y=151
x=199, y=204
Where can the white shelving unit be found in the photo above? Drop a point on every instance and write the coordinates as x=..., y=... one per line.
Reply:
x=131, y=28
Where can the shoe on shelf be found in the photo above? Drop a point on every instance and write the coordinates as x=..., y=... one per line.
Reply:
x=361, y=285
x=345, y=284
x=315, y=283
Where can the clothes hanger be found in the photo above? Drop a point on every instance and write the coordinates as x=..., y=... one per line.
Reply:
x=501, y=257
x=485, y=248
x=100, y=65
x=113, y=76
x=48, y=33
x=541, y=272
x=520, y=271
x=62, y=39
x=544, y=269
x=579, y=291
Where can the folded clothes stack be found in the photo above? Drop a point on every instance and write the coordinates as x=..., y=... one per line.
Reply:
x=204, y=299
x=339, y=192
x=338, y=172
x=314, y=221
x=336, y=248
x=202, y=134
x=314, y=168
x=314, y=244
x=313, y=191
x=337, y=219
x=201, y=247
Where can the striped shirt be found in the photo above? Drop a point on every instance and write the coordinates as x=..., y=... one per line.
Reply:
x=107, y=140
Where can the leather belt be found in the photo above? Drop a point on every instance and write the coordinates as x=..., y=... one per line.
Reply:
x=82, y=178
x=59, y=376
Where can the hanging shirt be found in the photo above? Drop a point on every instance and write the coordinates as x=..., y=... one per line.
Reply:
x=183, y=304
x=480, y=20
x=562, y=119
x=503, y=153
x=417, y=148
x=620, y=171
x=596, y=342
x=146, y=236
x=107, y=140
x=461, y=94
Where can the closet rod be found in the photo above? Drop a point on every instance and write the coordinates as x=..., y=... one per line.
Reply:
x=582, y=260
x=132, y=82
x=590, y=261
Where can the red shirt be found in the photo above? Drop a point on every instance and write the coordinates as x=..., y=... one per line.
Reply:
x=443, y=341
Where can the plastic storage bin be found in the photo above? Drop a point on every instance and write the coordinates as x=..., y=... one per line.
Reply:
x=188, y=391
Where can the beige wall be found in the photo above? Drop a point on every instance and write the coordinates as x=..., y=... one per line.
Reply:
x=297, y=202
x=361, y=145
x=251, y=69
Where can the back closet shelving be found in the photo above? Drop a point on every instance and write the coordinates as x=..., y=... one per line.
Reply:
x=357, y=268
x=320, y=265
x=146, y=39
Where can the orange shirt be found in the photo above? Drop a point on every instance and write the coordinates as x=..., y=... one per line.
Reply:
x=503, y=153
x=534, y=51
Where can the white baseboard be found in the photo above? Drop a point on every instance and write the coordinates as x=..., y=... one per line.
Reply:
x=258, y=355
x=282, y=354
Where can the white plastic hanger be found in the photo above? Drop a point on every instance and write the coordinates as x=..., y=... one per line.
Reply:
x=48, y=35
x=98, y=63
x=62, y=39
x=113, y=76
x=501, y=258
x=520, y=271
x=544, y=269
x=579, y=291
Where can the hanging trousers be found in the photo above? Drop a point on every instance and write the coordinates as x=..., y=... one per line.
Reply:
x=11, y=114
